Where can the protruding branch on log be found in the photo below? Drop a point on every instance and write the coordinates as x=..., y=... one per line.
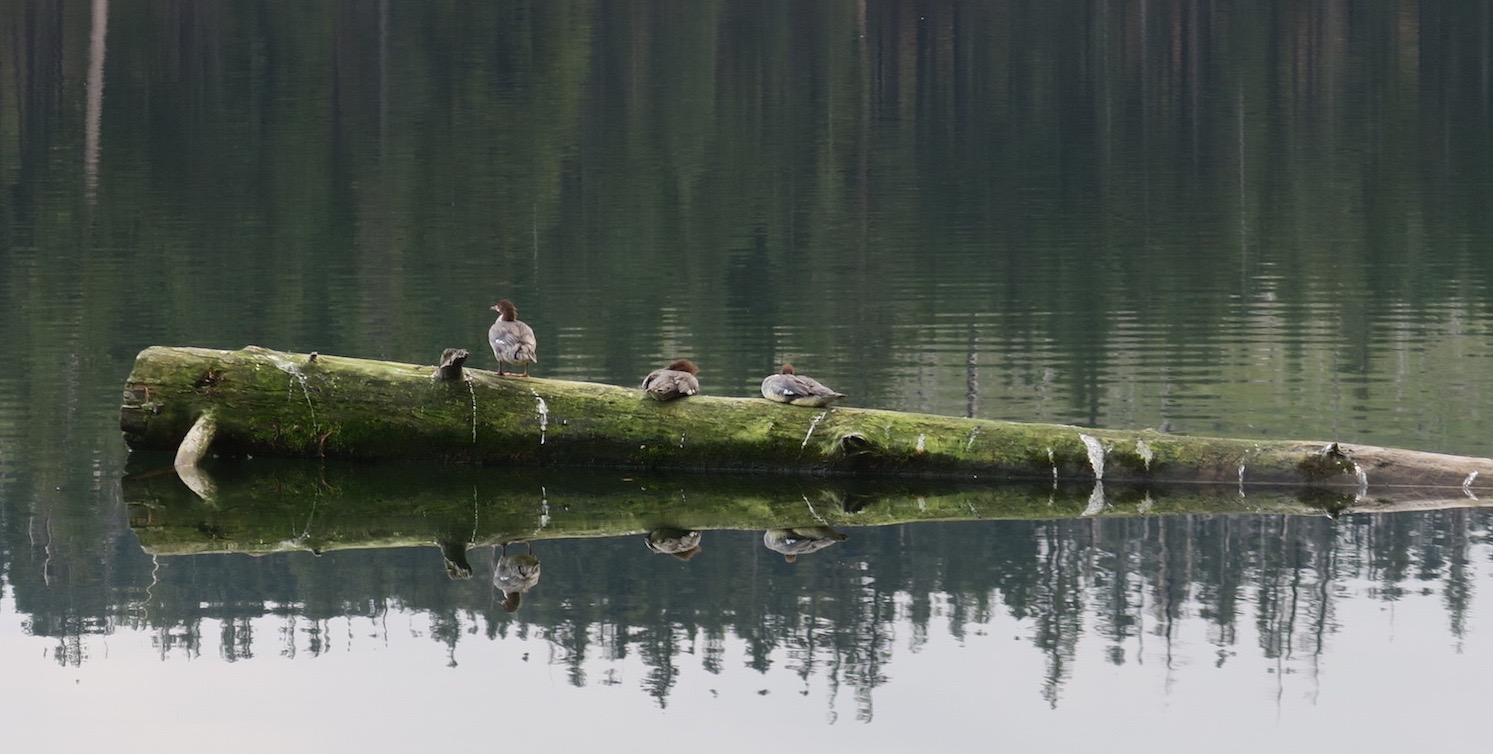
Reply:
x=449, y=370
x=194, y=446
x=191, y=450
x=272, y=403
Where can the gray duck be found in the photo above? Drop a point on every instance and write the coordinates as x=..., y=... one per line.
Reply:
x=798, y=390
x=676, y=380
x=512, y=341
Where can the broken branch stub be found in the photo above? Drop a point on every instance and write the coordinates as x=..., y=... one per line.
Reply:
x=449, y=370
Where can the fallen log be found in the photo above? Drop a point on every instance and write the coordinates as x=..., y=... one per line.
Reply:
x=265, y=402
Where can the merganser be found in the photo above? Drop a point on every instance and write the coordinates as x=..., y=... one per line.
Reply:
x=796, y=389
x=512, y=341
x=673, y=381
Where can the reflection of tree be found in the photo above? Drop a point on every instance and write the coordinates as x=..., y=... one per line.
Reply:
x=522, y=133
x=1058, y=622
x=834, y=620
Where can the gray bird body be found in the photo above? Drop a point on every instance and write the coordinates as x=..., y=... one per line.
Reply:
x=512, y=341
x=798, y=390
x=676, y=380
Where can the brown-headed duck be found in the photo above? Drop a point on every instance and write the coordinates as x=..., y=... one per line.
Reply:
x=512, y=341
x=796, y=389
x=676, y=380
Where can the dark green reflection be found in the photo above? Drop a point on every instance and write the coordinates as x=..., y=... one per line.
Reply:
x=262, y=506
x=1148, y=558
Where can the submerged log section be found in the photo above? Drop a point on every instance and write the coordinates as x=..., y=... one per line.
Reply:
x=265, y=402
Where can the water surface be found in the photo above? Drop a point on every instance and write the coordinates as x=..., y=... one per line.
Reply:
x=1207, y=219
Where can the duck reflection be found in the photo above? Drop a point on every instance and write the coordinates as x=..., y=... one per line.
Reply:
x=515, y=574
x=454, y=552
x=801, y=540
x=681, y=543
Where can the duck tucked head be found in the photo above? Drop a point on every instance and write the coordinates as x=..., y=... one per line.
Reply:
x=787, y=369
x=506, y=310
x=684, y=365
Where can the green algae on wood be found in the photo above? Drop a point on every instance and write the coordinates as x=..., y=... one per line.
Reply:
x=273, y=403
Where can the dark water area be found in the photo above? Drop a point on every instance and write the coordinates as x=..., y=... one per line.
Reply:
x=1206, y=218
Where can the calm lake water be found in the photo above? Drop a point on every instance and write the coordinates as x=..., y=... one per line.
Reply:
x=1207, y=218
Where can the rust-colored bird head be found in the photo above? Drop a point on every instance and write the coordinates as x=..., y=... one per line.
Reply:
x=506, y=310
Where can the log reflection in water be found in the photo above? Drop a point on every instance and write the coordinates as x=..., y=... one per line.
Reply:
x=1268, y=570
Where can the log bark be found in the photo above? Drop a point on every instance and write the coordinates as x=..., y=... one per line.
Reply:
x=267, y=402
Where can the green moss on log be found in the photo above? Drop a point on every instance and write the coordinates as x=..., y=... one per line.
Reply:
x=273, y=403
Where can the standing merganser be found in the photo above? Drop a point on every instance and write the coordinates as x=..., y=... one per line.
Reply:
x=673, y=381
x=797, y=389
x=512, y=341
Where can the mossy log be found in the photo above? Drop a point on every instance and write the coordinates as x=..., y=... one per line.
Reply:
x=265, y=402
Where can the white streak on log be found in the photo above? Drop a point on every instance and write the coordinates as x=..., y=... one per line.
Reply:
x=810, y=433
x=294, y=370
x=473, y=391
x=1467, y=485
x=1241, y=480
x=544, y=414
x=922, y=443
x=971, y=442
x=1363, y=480
x=1053, y=459
x=1144, y=451
x=1096, y=455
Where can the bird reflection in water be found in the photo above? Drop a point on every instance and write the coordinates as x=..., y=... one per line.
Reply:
x=681, y=543
x=515, y=574
x=454, y=552
x=801, y=540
